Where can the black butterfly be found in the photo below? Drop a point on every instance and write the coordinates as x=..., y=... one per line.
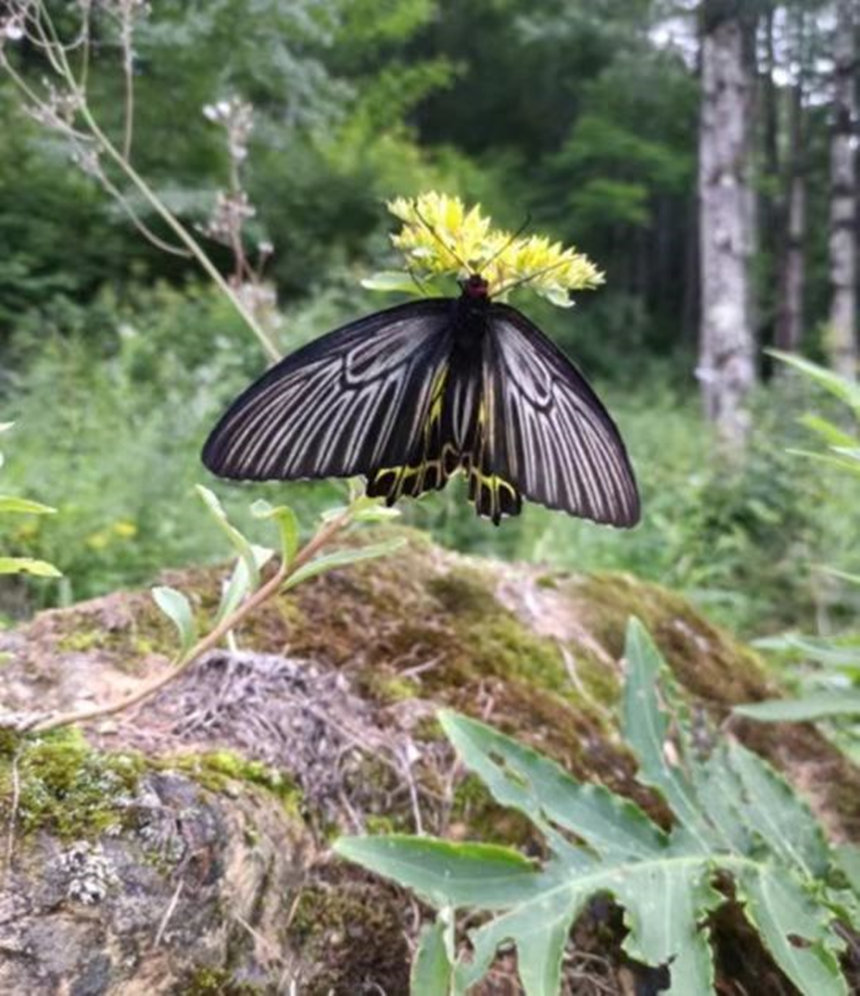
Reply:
x=414, y=393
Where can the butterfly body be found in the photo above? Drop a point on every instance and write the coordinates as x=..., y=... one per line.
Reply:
x=413, y=394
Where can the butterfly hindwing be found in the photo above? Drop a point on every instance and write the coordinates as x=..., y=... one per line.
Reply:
x=349, y=403
x=545, y=430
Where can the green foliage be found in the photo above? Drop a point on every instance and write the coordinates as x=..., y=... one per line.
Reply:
x=832, y=688
x=245, y=580
x=23, y=506
x=735, y=819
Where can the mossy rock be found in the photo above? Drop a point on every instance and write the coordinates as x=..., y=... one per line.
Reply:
x=326, y=723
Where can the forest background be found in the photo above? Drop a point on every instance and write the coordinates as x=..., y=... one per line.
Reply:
x=703, y=154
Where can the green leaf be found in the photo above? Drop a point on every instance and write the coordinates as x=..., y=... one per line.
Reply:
x=24, y=506
x=807, y=709
x=431, y=970
x=734, y=816
x=646, y=729
x=342, y=558
x=794, y=928
x=848, y=859
x=822, y=651
x=840, y=387
x=239, y=585
x=26, y=565
x=447, y=874
x=177, y=608
x=557, y=296
x=829, y=431
x=288, y=527
x=391, y=281
x=238, y=541
x=840, y=463
x=521, y=778
x=842, y=575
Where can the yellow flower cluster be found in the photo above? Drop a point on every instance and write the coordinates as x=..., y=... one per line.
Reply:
x=440, y=237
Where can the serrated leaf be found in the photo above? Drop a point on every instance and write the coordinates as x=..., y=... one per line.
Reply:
x=794, y=929
x=175, y=605
x=739, y=819
x=646, y=730
x=448, y=874
x=26, y=565
x=523, y=779
x=431, y=970
x=819, y=705
x=24, y=506
x=342, y=558
x=770, y=808
x=848, y=860
x=238, y=541
x=288, y=527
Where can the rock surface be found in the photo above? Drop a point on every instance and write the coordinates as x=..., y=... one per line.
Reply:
x=183, y=847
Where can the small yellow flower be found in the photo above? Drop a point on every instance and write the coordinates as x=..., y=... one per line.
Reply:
x=440, y=237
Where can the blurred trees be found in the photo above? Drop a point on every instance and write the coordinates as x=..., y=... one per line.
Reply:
x=582, y=115
x=726, y=347
x=843, y=197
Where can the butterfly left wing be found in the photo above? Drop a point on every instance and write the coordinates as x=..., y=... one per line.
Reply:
x=545, y=433
x=348, y=403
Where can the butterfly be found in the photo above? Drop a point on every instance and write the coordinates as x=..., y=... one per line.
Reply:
x=415, y=393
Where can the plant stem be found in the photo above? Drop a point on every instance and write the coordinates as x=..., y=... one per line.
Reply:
x=324, y=536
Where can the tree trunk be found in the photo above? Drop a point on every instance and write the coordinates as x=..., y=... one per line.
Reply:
x=726, y=367
x=843, y=248
x=789, y=324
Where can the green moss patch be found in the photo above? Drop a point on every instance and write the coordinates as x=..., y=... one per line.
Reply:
x=220, y=770
x=350, y=930
x=68, y=788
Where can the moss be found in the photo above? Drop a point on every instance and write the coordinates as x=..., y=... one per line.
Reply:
x=706, y=659
x=219, y=770
x=82, y=640
x=68, y=788
x=350, y=931
x=476, y=815
x=493, y=639
x=208, y=981
x=388, y=687
x=10, y=741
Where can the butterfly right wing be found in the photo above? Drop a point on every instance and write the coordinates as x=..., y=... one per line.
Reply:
x=352, y=402
x=545, y=432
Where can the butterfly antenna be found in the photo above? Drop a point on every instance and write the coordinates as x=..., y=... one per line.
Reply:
x=441, y=241
x=532, y=276
x=509, y=242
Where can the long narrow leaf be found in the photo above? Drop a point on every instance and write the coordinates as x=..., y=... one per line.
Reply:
x=342, y=558
x=26, y=565
x=24, y=506
x=238, y=541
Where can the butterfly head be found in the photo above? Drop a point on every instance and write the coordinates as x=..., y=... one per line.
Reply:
x=475, y=287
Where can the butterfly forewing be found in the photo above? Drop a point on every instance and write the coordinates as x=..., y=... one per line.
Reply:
x=546, y=432
x=349, y=403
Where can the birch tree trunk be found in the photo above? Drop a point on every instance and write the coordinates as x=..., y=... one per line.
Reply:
x=789, y=324
x=843, y=238
x=726, y=368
